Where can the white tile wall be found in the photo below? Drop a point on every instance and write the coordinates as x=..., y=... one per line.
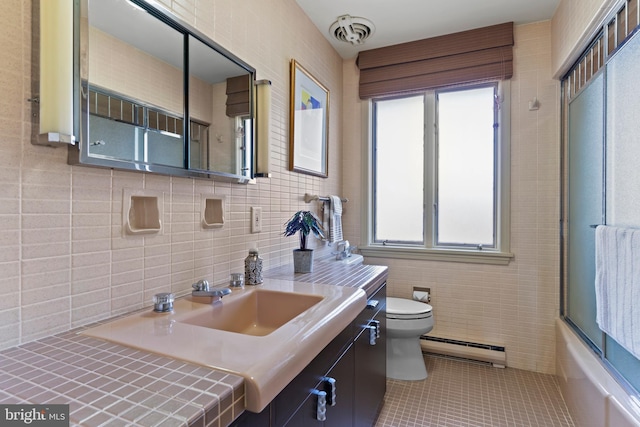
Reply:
x=516, y=305
x=64, y=261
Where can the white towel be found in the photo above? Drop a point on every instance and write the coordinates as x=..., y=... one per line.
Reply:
x=618, y=285
x=326, y=221
x=335, y=219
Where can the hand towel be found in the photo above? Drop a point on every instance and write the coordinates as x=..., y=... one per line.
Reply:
x=618, y=285
x=335, y=219
x=326, y=220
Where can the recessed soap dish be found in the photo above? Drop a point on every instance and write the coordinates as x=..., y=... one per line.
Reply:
x=212, y=211
x=141, y=212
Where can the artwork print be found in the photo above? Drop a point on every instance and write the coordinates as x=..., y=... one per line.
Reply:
x=308, y=123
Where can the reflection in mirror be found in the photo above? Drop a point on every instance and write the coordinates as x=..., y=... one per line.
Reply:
x=219, y=102
x=135, y=83
x=134, y=106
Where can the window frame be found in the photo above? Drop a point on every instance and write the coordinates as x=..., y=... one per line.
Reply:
x=500, y=255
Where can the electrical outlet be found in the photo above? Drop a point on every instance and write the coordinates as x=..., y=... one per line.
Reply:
x=256, y=219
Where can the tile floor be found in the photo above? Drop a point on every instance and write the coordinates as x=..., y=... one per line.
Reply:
x=460, y=394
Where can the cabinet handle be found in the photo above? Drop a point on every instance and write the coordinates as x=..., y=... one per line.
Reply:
x=372, y=303
x=330, y=388
x=321, y=405
x=374, y=331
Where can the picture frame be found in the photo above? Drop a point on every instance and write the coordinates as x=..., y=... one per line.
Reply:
x=308, y=123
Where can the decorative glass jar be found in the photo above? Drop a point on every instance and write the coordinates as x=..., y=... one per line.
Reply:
x=253, y=268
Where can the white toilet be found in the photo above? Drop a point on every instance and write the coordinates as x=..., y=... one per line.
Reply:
x=406, y=321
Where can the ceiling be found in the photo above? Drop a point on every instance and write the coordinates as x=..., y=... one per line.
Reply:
x=399, y=21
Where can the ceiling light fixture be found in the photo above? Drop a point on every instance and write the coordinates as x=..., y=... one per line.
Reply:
x=352, y=29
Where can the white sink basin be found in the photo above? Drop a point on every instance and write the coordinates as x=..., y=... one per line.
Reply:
x=256, y=313
x=266, y=333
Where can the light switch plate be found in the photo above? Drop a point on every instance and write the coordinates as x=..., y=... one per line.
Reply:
x=256, y=219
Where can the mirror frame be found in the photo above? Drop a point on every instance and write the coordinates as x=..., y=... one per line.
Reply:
x=78, y=154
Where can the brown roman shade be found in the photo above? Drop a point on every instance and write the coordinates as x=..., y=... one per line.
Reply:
x=238, y=96
x=461, y=58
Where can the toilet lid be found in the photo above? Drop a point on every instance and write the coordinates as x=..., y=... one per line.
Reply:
x=406, y=306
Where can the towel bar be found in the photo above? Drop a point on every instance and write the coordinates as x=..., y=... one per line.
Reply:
x=308, y=198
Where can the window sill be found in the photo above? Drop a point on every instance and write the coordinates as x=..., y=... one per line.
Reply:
x=446, y=255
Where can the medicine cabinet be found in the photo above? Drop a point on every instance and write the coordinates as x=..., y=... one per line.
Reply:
x=156, y=95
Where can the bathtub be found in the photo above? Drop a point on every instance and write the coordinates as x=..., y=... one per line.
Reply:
x=593, y=396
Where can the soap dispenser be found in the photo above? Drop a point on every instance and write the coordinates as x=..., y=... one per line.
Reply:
x=253, y=268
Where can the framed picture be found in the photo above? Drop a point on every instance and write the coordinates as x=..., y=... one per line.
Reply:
x=308, y=123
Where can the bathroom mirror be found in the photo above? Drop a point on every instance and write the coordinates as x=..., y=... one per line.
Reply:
x=158, y=96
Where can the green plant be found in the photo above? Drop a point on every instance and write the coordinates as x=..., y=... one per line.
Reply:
x=303, y=222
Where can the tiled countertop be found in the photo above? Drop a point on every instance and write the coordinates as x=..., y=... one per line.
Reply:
x=367, y=277
x=108, y=384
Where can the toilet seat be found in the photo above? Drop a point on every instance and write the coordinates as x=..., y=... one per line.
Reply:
x=406, y=309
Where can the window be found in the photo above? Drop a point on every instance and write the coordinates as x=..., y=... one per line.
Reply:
x=439, y=174
x=465, y=195
x=399, y=154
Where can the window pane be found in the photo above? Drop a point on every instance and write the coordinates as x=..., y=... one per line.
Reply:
x=465, y=197
x=399, y=177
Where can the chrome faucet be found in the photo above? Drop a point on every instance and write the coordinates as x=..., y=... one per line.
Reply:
x=344, y=250
x=202, y=289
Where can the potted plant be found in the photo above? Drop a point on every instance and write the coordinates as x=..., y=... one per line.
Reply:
x=303, y=222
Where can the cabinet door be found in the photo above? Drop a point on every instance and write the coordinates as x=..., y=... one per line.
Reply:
x=306, y=415
x=296, y=393
x=371, y=367
x=338, y=386
x=251, y=419
x=340, y=413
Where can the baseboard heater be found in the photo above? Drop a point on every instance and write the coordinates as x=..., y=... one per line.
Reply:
x=496, y=355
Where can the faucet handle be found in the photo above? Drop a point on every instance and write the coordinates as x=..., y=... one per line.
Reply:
x=201, y=285
x=163, y=302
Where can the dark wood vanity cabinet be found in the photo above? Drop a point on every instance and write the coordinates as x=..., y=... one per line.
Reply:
x=371, y=360
x=349, y=374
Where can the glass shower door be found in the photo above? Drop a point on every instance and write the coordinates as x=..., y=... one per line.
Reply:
x=585, y=204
